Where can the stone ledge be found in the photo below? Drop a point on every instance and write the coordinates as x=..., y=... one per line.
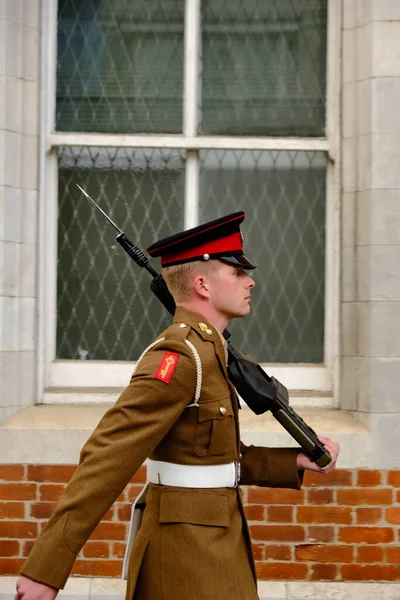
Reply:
x=46, y=434
x=86, y=588
x=55, y=434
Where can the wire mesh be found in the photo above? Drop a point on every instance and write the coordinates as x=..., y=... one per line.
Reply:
x=105, y=309
x=283, y=195
x=119, y=65
x=263, y=67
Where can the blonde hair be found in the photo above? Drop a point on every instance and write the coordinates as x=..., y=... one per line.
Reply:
x=179, y=277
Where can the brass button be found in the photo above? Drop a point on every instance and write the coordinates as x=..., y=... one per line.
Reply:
x=222, y=410
x=182, y=325
x=203, y=326
x=209, y=331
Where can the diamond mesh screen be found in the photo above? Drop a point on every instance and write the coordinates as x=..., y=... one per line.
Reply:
x=105, y=309
x=119, y=65
x=264, y=67
x=283, y=195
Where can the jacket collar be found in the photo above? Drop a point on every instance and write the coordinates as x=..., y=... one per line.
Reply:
x=205, y=329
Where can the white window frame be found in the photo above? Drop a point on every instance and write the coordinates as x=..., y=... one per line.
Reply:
x=316, y=384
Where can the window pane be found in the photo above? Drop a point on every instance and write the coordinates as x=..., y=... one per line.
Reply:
x=283, y=195
x=119, y=65
x=264, y=67
x=105, y=309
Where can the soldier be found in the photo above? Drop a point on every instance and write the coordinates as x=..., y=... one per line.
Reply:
x=180, y=412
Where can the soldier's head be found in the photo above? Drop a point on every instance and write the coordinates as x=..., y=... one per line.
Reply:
x=206, y=266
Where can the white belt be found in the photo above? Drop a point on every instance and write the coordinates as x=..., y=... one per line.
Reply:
x=193, y=476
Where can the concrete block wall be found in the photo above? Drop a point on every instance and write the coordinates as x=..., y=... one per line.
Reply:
x=371, y=208
x=19, y=144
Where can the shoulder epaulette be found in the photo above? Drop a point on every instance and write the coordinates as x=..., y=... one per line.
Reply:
x=179, y=331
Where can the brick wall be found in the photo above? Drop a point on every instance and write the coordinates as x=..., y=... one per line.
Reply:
x=343, y=526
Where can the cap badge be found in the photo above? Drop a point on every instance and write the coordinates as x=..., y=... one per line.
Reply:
x=203, y=326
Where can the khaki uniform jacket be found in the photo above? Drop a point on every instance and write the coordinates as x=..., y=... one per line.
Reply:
x=194, y=543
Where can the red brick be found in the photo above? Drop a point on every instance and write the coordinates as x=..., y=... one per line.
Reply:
x=11, y=472
x=109, y=516
x=365, y=496
x=321, y=534
x=10, y=566
x=9, y=548
x=98, y=568
x=260, y=495
x=369, y=478
x=367, y=535
x=319, y=553
x=51, y=473
x=285, y=571
x=17, y=491
x=124, y=512
x=50, y=493
x=283, y=533
x=42, y=510
x=109, y=531
x=28, y=545
x=123, y=496
x=12, y=510
x=277, y=552
x=393, y=515
x=369, y=573
x=336, y=477
x=254, y=512
x=258, y=551
x=394, y=478
x=393, y=554
x=325, y=571
x=324, y=514
x=370, y=554
x=140, y=475
x=118, y=550
x=280, y=514
x=320, y=496
x=368, y=516
x=18, y=529
x=96, y=550
x=133, y=492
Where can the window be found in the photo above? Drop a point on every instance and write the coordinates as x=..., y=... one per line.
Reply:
x=174, y=112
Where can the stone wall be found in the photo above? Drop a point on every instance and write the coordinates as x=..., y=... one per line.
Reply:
x=370, y=322
x=19, y=153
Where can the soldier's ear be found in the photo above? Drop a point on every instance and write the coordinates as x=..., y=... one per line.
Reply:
x=201, y=286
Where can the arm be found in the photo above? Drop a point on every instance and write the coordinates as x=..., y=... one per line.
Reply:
x=281, y=467
x=126, y=435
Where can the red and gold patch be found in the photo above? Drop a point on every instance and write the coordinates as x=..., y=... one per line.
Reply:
x=167, y=367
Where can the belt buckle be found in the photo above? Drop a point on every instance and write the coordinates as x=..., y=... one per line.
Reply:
x=237, y=473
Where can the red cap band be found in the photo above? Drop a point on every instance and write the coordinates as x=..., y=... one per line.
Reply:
x=230, y=243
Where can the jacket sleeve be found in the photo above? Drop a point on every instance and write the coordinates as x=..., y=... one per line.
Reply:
x=270, y=467
x=124, y=438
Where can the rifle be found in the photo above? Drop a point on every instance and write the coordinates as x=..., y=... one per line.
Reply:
x=258, y=390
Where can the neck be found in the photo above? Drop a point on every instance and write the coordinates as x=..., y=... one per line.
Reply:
x=208, y=312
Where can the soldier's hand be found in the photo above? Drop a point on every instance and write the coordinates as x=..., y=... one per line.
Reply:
x=303, y=462
x=27, y=589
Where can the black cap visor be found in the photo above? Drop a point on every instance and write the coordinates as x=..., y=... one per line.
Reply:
x=238, y=261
